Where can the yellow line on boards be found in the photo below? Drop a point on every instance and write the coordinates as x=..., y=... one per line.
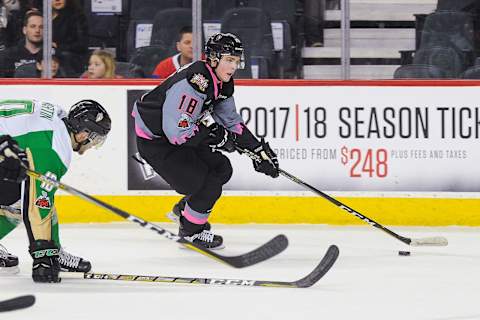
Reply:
x=266, y=209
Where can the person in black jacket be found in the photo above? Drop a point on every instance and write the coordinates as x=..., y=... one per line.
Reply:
x=28, y=50
x=183, y=123
x=70, y=33
x=17, y=10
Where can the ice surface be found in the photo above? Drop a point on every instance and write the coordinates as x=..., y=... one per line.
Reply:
x=369, y=281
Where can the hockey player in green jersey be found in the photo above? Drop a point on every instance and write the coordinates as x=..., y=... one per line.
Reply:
x=48, y=136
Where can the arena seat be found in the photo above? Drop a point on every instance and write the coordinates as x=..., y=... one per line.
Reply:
x=147, y=9
x=286, y=13
x=103, y=29
x=472, y=73
x=148, y=57
x=253, y=27
x=167, y=25
x=139, y=34
x=447, y=58
x=450, y=28
x=419, y=71
x=129, y=70
x=213, y=9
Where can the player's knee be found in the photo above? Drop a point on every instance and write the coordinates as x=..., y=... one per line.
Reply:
x=189, y=186
x=211, y=193
x=225, y=172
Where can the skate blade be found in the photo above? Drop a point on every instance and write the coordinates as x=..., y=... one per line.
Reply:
x=220, y=247
x=7, y=271
x=172, y=217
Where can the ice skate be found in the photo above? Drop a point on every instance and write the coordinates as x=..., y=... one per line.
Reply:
x=8, y=262
x=201, y=236
x=70, y=263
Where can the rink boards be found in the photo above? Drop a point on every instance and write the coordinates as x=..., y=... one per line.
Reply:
x=399, y=152
x=273, y=209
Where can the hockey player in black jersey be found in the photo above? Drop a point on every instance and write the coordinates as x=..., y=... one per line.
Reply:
x=183, y=123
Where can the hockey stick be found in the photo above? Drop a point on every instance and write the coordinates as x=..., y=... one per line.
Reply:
x=320, y=270
x=262, y=253
x=429, y=241
x=17, y=303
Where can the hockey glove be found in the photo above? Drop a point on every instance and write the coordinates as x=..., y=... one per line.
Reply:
x=11, y=160
x=266, y=161
x=220, y=138
x=45, y=261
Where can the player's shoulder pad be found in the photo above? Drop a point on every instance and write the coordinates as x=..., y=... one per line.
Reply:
x=198, y=77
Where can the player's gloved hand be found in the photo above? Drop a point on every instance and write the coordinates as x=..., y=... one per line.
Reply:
x=11, y=158
x=220, y=138
x=267, y=161
x=45, y=261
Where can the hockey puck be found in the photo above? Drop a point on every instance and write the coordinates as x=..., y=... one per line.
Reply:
x=403, y=253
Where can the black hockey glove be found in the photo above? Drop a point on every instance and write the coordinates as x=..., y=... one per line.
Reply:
x=10, y=164
x=220, y=138
x=266, y=161
x=45, y=261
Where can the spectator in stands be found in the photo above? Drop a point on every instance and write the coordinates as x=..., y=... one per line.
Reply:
x=185, y=56
x=27, y=50
x=70, y=32
x=101, y=65
x=3, y=25
x=34, y=70
x=17, y=9
x=58, y=70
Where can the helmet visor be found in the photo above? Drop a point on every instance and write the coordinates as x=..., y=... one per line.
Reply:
x=241, y=61
x=96, y=140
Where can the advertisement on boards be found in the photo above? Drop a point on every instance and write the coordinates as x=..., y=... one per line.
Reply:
x=415, y=139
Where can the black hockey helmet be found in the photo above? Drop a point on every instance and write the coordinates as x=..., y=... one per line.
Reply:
x=89, y=116
x=224, y=44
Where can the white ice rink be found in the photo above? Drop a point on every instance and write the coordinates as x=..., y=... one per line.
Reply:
x=369, y=281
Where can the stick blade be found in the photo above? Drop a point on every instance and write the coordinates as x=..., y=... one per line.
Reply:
x=430, y=242
x=17, y=303
x=268, y=250
x=321, y=269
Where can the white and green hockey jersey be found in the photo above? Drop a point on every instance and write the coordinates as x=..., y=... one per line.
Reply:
x=38, y=128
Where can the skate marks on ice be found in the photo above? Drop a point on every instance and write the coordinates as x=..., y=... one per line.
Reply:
x=369, y=277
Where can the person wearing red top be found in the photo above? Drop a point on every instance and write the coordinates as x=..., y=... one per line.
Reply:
x=170, y=65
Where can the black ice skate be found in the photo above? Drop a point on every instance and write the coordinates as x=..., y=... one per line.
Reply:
x=70, y=263
x=8, y=262
x=202, y=236
x=176, y=212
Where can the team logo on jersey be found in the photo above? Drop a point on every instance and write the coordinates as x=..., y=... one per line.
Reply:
x=200, y=80
x=43, y=201
x=185, y=121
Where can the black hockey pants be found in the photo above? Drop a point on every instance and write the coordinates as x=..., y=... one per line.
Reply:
x=194, y=171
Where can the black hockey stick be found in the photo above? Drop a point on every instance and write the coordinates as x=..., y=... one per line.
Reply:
x=262, y=253
x=320, y=270
x=429, y=241
x=17, y=303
